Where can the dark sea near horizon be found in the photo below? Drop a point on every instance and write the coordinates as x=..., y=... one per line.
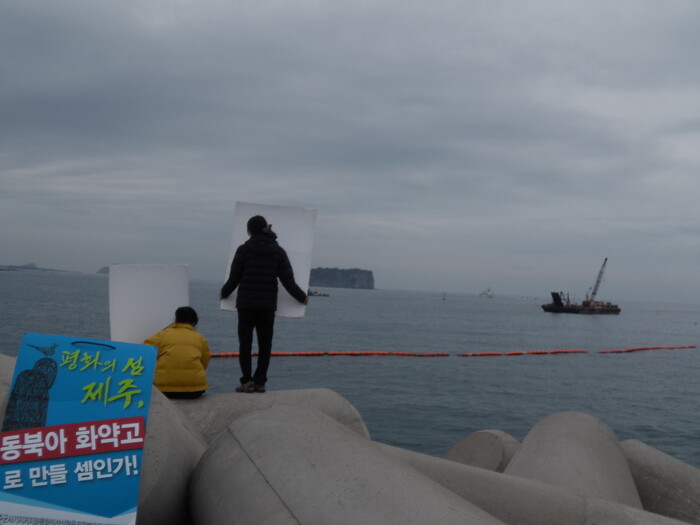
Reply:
x=427, y=404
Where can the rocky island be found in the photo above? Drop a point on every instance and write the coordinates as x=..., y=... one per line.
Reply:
x=338, y=278
x=30, y=267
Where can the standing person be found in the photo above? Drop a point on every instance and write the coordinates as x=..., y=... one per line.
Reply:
x=183, y=357
x=256, y=266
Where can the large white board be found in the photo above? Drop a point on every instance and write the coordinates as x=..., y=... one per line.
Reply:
x=294, y=227
x=143, y=298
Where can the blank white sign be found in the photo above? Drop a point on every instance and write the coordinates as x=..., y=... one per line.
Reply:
x=143, y=298
x=294, y=227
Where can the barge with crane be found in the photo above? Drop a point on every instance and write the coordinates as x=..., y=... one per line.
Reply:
x=562, y=305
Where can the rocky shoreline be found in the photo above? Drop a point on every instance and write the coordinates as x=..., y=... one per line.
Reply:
x=306, y=457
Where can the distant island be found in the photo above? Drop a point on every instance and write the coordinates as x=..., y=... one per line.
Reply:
x=30, y=266
x=321, y=277
x=339, y=278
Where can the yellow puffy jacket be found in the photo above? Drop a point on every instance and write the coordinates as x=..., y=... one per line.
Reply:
x=183, y=356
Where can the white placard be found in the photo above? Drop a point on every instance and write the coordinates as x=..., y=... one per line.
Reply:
x=143, y=298
x=294, y=227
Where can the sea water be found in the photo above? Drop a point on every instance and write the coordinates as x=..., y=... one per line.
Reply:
x=427, y=404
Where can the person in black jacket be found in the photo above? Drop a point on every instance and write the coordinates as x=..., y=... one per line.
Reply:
x=257, y=265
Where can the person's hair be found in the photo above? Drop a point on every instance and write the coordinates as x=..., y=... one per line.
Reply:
x=186, y=314
x=256, y=225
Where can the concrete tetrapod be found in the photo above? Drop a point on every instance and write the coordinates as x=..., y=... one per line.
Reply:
x=489, y=449
x=603, y=512
x=519, y=501
x=173, y=448
x=578, y=452
x=291, y=465
x=513, y=500
x=213, y=413
x=665, y=484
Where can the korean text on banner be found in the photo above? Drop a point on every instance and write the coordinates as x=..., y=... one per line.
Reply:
x=72, y=439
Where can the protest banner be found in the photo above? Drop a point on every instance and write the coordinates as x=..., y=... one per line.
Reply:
x=72, y=439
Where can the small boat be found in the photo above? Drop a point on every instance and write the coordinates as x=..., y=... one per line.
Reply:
x=488, y=293
x=562, y=305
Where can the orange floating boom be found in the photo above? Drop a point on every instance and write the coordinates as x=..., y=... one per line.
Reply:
x=464, y=354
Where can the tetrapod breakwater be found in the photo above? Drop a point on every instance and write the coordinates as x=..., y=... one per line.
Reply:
x=306, y=457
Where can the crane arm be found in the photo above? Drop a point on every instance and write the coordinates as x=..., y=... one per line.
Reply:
x=598, y=280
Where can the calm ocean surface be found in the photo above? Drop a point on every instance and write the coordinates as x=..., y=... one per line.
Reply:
x=427, y=404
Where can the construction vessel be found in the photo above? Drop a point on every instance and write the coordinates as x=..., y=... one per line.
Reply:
x=562, y=305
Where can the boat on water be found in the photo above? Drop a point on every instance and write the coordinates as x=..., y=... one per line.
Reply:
x=488, y=293
x=562, y=305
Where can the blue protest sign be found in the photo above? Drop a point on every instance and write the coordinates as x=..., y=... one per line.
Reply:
x=72, y=438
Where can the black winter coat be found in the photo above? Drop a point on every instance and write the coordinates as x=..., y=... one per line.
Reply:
x=256, y=266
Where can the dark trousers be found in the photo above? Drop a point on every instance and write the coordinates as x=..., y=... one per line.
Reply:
x=263, y=322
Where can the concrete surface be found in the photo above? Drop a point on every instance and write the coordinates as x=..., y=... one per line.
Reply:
x=173, y=448
x=213, y=413
x=519, y=501
x=665, y=485
x=602, y=512
x=489, y=449
x=513, y=500
x=290, y=465
x=577, y=452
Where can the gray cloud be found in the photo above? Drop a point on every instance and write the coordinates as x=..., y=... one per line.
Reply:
x=448, y=146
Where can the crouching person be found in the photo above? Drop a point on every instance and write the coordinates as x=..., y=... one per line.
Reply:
x=183, y=357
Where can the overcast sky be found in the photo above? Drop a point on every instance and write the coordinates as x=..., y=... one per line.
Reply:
x=448, y=145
